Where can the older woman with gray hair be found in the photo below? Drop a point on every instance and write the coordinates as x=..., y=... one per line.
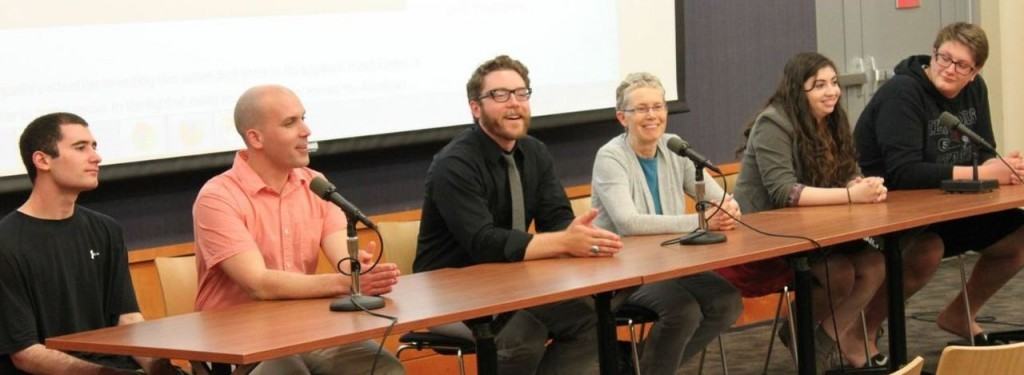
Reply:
x=638, y=187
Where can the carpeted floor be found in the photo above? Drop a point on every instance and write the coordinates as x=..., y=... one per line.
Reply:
x=746, y=348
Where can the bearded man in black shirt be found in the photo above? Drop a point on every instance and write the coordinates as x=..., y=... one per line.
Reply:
x=472, y=214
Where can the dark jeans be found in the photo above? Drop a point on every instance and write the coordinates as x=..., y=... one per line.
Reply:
x=692, y=311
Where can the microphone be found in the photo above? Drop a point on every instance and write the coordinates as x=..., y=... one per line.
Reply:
x=949, y=121
x=702, y=235
x=682, y=148
x=356, y=300
x=328, y=192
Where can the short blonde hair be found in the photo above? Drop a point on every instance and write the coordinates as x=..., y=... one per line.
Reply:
x=968, y=34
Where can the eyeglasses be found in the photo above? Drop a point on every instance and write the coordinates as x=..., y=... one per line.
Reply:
x=502, y=95
x=645, y=110
x=943, y=60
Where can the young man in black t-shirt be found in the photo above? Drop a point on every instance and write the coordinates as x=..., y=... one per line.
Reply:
x=63, y=268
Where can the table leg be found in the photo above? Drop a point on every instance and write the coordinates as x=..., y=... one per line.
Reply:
x=804, y=317
x=486, y=350
x=606, y=337
x=897, y=316
x=201, y=368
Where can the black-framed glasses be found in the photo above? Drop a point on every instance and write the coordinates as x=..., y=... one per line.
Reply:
x=502, y=95
x=657, y=108
x=944, y=60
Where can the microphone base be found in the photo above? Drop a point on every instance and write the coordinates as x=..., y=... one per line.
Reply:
x=969, y=186
x=348, y=303
x=701, y=237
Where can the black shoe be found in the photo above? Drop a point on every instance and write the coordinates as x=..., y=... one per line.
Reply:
x=981, y=339
x=878, y=360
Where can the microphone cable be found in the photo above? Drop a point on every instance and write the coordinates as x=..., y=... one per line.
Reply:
x=356, y=264
x=394, y=320
x=828, y=277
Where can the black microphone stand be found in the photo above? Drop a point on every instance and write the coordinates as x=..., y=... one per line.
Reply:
x=356, y=301
x=702, y=235
x=974, y=185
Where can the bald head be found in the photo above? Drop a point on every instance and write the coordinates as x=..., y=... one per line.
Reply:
x=251, y=106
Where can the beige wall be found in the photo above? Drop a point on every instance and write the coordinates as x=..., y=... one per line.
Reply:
x=1003, y=20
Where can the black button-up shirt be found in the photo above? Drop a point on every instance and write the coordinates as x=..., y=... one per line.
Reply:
x=467, y=210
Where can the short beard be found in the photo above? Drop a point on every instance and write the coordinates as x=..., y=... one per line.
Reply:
x=492, y=126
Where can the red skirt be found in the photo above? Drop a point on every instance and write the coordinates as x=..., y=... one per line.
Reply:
x=759, y=278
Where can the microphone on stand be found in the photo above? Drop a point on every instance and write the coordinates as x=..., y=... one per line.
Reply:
x=949, y=121
x=702, y=235
x=356, y=301
x=682, y=148
x=326, y=190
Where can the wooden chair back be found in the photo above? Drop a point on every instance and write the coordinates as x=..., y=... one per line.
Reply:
x=580, y=205
x=178, y=281
x=400, y=238
x=1000, y=359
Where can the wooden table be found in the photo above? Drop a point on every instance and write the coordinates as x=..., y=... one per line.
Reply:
x=251, y=333
x=254, y=332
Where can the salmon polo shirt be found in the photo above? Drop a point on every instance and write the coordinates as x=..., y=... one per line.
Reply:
x=237, y=212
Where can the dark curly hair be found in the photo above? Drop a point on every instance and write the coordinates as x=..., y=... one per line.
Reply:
x=826, y=154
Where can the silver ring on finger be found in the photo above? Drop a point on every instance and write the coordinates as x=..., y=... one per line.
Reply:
x=594, y=249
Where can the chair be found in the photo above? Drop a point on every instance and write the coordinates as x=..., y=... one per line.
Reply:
x=399, y=240
x=783, y=296
x=912, y=368
x=178, y=281
x=631, y=316
x=1001, y=359
x=580, y=205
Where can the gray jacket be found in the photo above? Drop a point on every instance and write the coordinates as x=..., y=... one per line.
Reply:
x=770, y=169
x=619, y=190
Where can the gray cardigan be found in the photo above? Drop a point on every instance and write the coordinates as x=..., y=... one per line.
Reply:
x=619, y=190
x=769, y=170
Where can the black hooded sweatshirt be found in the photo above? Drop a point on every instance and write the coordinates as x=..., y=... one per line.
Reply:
x=898, y=135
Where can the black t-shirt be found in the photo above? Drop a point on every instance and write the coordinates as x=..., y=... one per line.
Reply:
x=467, y=211
x=898, y=135
x=59, y=277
